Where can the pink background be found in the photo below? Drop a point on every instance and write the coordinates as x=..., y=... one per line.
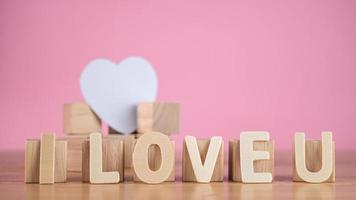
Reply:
x=281, y=66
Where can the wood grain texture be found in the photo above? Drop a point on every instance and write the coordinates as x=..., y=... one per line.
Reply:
x=259, y=165
x=140, y=158
x=78, y=118
x=12, y=186
x=47, y=157
x=248, y=156
x=187, y=168
x=145, y=117
x=74, y=151
x=96, y=173
x=112, y=157
x=129, y=141
x=313, y=161
x=60, y=161
x=32, y=161
x=158, y=117
x=155, y=161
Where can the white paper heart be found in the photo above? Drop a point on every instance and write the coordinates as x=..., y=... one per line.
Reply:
x=114, y=90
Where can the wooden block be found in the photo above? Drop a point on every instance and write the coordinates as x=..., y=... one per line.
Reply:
x=259, y=165
x=155, y=161
x=140, y=158
x=74, y=149
x=188, y=173
x=112, y=157
x=78, y=118
x=129, y=142
x=96, y=173
x=85, y=161
x=47, y=156
x=248, y=156
x=313, y=161
x=32, y=161
x=60, y=168
x=158, y=117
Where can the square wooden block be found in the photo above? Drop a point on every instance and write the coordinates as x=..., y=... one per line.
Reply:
x=313, y=149
x=129, y=142
x=113, y=157
x=158, y=117
x=74, y=157
x=154, y=162
x=259, y=165
x=78, y=118
x=32, y=161
x=187, y=169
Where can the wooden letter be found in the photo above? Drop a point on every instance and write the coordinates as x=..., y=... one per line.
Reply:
x=259, y=165
x=248, y=156
x=47, y=153
x=96, y=163
x=203, y=172
x=155, y=160
x=140, y=157
x=112, y=157
x=327, y=154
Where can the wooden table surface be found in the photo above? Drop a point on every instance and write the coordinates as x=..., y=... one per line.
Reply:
x=12, y=186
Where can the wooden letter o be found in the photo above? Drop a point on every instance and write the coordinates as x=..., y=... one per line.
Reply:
x=140, y=157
